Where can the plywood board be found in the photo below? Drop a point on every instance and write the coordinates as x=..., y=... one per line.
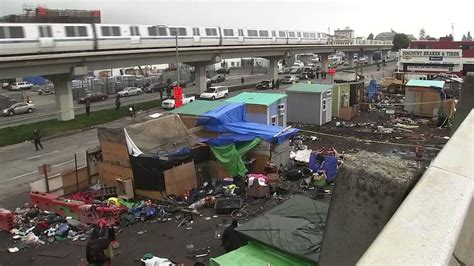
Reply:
x=217, y=170
x=253, y=108
x=109, y=172
x=149, y=194
x=260, y=162
x=189, y=121
x=179, y=178
x=69, y=177
x=116, y=153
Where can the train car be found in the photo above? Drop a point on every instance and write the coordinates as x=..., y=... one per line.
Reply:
x=257, y=37
x=323, y=38
x=232, y=36
x=29, y=38
x=294, y=37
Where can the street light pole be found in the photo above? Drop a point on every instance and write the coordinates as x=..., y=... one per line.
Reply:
x=177, y=53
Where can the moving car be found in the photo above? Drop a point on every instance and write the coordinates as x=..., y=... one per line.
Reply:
x=23, y=85
x=307, y=75
x=18, y=108
x=129, y=91
x=93, y=97
x=289, y=79
x=170, y=104
x=264, y=85
x=217, y=79
x=45, y=91
x=223, y=71
x=215, y=93
x=156, y=87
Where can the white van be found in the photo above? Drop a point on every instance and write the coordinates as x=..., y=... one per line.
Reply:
x=215, y=93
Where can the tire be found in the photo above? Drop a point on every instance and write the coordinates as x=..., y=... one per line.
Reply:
x=125, y=95
x=225, y=95
x=213, y=98
x=29, y=110
x=103, y=98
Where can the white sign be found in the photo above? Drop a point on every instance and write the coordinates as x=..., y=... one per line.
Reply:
x=431, y=52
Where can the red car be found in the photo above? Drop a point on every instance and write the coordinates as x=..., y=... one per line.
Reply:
x=93, y=97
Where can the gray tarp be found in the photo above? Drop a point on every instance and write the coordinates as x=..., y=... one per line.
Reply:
x=296, y=226
x=164, y=134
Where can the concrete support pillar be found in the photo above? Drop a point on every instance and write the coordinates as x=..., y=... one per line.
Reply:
x=370, y=57
x=350, y=59
x=201, y=79
x=63, y=93
x=273, y=69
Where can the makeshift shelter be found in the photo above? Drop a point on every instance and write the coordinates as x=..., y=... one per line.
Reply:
x=310, y=103
x=159, y=155
x=234, y=132
x=340, y=97
x=295, y=227
x=256, y=254
x=191, y=112
x=427, y=98
x=263, y=108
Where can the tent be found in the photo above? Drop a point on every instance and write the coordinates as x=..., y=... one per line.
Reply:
x=257, y=254
x=295, y=227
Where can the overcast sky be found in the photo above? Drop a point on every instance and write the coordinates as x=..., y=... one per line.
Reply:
x=364, y=16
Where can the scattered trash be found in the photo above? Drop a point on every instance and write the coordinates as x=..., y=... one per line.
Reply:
x=446, y=137
x=140, y=232
x=13, y=250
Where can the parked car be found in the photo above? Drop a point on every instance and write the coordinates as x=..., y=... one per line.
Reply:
x=182, y=83
x=23, y=85
x=217, y=79
x=156, y=87
x=5, y=85
x=45, y=91
x=129, y=91
x=18, y=108
x=307, y=75
x=93, y=97
x=170, y=103
x=363, y=60
x=295, y=70
x=215, y=93
x=223, y=71
x=452, y=77
x=286, y=70
x=289, y=79
x=264, y=85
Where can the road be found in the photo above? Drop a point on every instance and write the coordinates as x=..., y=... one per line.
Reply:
x=20, y=162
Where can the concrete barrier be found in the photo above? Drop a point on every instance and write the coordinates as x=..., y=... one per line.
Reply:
x=435, y=223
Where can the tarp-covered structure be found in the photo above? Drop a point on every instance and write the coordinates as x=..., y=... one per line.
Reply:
x=155, y=146
x=295, y=227
x=237, y=136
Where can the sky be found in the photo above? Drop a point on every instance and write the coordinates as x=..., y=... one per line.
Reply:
x=363, y=16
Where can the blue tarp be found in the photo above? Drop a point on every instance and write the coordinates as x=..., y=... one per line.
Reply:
x=36, y=80
x=372, y=89
x=230, y=120
x=329, y=165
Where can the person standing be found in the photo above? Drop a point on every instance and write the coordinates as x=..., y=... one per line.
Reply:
x=242, y=80
x=117, y=103
x=131, y=112
x=95, y=249
x=88, y=107
x=273, y=84
x=278, y=84
x=317, y=74
x=37, y=139
x=230, y=238
x=161, y=93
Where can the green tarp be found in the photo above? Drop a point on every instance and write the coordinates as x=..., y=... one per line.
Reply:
x=231, y=156
x=258, y=255
x=296, y=227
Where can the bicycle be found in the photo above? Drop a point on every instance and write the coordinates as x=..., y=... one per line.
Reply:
x=244, y=212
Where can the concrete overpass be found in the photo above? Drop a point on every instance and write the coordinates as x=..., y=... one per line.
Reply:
x=61, y=68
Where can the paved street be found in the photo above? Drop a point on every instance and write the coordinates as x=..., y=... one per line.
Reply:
x=19, y=163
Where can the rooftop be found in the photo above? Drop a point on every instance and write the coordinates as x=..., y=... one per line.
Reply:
x=425, y=83
x=310, y=88
x=257, y=98
x=198, y=107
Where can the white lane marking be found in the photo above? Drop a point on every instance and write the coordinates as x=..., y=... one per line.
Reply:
x=34, y=172
x=41, y=155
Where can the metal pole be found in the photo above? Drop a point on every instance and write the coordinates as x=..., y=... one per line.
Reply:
x=77, y=174
x=45, y=171
x=177, y=55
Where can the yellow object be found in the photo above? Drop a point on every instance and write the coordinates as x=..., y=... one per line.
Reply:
x=113, y=201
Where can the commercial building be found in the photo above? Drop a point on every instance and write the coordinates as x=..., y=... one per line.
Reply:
x=346, y=33
x=466, y=49
x=42, y=14
x=431, y=61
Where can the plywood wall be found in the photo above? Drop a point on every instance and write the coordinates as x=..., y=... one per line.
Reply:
x=179, y=178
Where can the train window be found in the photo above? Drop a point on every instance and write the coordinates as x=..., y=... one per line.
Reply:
x=299, y=34
x=16, y=32
x=241, y=32
x=134, y=31
x=45, y=32
x=263, y=33
x=312, y=35
x=282, y=34
x=273, y=33
x=181, y=31
x=110, y=31
x=196, y=32
x=228, y=32
x=319, y=35
x=306, y=34
x=291, y=34
x=76, y=31
x=152, y=31
x=162, y=31
x=211, y=32
x=2, y=33
x=252, y=33
x=105, y=31
x=116, y=31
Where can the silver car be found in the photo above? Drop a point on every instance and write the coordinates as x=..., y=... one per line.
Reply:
x=129, y=91
x=18, y=108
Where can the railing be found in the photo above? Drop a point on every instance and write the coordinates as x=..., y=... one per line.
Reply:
x=435, y=223
x=343, y=42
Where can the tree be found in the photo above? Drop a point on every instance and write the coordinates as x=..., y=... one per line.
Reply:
x=469, y=37
x=370, y=37
x=422, y=35
x=464, y=38
x=400, y=41
x=429, y=38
